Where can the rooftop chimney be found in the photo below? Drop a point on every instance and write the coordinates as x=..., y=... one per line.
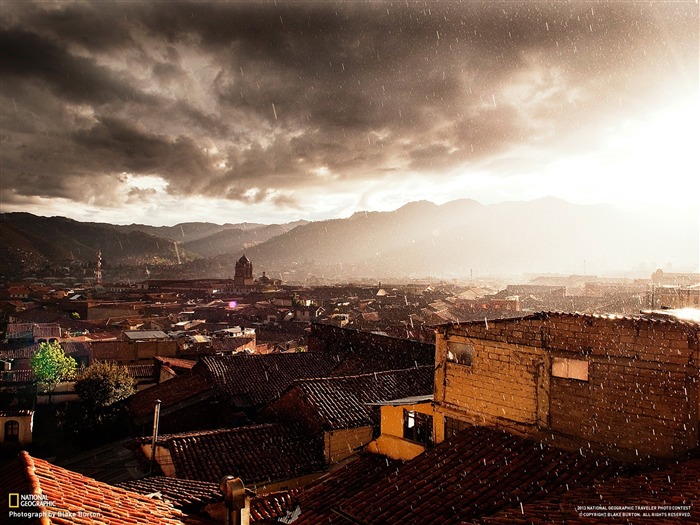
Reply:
x=236, y=500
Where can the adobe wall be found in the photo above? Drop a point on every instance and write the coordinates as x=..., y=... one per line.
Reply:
x=132, y=352
x=500, y=386
x=340, y=444
x=640, y=393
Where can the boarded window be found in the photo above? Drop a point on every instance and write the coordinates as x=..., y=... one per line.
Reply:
x=418, y=427
x=460, y=353
x=570, y=368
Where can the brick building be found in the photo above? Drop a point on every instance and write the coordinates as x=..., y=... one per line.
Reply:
x=626, y=385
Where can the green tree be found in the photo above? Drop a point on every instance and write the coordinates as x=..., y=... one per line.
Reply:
x=51, y=365
x=100, y=414
x=102, y=385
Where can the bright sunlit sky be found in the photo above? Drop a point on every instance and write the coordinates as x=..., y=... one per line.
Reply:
x=167, y=112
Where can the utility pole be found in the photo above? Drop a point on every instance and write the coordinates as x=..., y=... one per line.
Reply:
x=156, y=420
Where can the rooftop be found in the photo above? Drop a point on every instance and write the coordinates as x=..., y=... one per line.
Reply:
x=79, y=500
x=172, y=393
x=253, y=380
x=677, y=485
x=344, y=402
x=185, y=494
x=644, y=317
x=477, y=472
x=258, y=454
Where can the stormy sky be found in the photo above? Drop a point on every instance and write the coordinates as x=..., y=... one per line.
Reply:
x=164, y=112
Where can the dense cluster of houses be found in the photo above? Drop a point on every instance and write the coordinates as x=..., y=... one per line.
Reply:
x=503, y=416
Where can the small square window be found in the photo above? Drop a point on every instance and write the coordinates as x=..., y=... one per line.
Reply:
x=418, y=427
x=570, y=368
x=460, y=353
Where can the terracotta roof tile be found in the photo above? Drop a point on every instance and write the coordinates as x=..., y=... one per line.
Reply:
x=173, y=362
x=319, y=499
x=645, y=318
x=141, y=371
x=15, y=413
x=674, y=485
x=253, y=380
x=258, y=454
x=179, y=389
x=477, y=472
x=342, y=402
x=273, y=505
x=73, y=494
x=185, y=494
x=17, y=376
x=231, y=344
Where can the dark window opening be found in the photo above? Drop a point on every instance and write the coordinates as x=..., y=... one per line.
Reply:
x=12, y=431
x=418, y=427
x=460, y=353
x=453, y=426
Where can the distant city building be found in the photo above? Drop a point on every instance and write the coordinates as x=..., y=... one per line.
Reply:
x=244, y=272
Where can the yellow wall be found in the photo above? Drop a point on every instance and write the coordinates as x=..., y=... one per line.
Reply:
x=343, y=443
x=499, y=388
x=391, y=442
x=25, y=428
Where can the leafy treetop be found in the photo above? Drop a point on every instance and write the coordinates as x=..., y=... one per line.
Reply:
x=103, y=384
x=51, y=365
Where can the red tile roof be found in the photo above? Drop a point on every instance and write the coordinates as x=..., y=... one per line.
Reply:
x=141, y=371
x=179, y=390
x=342, y=402
x=231, y=344
x=673, y=489
x=176, y=363
x=645, y=318
x=15, y=413
x=185, y=494
x=253, y=380
x=17, y=376
x=77, y=499
x=273, y=505
x=258, y=454
x=190, y=495
x=478, y=472
x=319, y=499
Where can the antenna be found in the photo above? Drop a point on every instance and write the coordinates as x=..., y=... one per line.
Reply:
x=98, y=270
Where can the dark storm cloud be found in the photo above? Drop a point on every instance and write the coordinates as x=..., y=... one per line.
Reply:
x=249, y=100
x=30, y=57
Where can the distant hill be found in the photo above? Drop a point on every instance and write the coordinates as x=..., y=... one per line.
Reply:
x=234, y=240
x=189, y=231
x=30, y=242
x=421, y=239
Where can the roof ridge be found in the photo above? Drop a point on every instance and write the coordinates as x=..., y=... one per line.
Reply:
x=30, y=469
x=367, y=374
x=209, y=432
x=545, y=314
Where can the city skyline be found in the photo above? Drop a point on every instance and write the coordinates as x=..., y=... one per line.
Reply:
x=162, y=113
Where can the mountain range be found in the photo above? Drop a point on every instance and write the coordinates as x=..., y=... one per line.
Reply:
x=459, y=238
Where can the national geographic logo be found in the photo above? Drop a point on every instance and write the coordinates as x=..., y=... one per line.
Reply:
x=39, y=506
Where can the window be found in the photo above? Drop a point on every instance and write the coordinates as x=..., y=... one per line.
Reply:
x=460, y=353
x=417, y=427
x=570, y=368
x=453, y=426
x=12, y=431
